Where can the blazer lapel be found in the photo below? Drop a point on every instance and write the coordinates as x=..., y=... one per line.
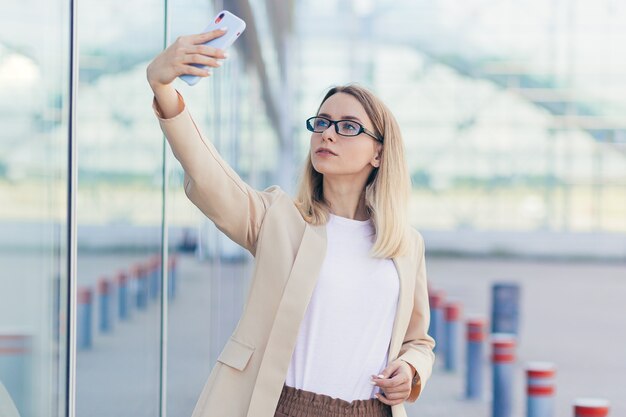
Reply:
x=405, y=306
x=284, y=332
x=403, y=316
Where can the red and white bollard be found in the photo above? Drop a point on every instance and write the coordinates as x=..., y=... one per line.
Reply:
x=437, y=319
x=16, y=372
x=105, y=301
x=139, y=273
x=503, y=361
x=122, y=295
x=452, y=313
x=540, y=389
x=172, y=275
x=591, y=407
x=476, y=328
x=84, y=331
x=154, y=274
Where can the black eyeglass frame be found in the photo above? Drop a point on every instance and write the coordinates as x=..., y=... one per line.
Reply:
x=362, y=129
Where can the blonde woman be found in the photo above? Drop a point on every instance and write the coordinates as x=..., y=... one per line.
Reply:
x=337, y=314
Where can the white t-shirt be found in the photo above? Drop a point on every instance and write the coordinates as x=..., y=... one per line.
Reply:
x=344, y=336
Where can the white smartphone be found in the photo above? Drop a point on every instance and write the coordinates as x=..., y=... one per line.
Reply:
x=235, y=27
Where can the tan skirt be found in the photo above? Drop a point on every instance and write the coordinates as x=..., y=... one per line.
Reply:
x=295, y=402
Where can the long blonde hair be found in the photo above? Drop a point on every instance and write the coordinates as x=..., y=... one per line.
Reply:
x=387, y=189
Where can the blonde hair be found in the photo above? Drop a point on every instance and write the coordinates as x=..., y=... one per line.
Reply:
x=387, y=189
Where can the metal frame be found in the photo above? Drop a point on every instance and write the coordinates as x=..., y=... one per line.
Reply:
x=70, y=403
x=164, y=253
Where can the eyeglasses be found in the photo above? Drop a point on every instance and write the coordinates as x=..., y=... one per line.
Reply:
x=318, y=124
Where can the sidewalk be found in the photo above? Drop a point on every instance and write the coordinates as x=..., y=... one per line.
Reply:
x=571, y=314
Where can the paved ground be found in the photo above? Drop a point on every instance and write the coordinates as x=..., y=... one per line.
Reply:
x=572, y=314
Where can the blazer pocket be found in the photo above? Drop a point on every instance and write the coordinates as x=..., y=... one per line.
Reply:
x=236, y=354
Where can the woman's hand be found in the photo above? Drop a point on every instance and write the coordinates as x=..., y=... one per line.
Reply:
x=396, y=382
x=176, y=59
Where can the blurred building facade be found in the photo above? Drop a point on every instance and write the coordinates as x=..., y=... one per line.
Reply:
x=512, y=116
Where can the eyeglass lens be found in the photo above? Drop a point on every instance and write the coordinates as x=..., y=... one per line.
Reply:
x=344, y=127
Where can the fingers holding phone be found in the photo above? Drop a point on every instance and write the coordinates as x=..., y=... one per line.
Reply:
x=203, y=55
x=189, y=54
x=230, y=28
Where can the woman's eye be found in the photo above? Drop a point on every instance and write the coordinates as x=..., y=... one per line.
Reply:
x=320, y=123
x=349, y=126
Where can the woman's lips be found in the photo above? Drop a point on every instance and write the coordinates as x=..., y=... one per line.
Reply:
x=325, y=152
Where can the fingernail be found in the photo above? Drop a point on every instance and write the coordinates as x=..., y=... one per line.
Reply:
x=225, y=54
x=224, y=29
x=373, y=382
x=381, y=376
x=218, y=63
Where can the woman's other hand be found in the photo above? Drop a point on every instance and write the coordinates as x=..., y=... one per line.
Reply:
x=395, y=382
x=175, y=60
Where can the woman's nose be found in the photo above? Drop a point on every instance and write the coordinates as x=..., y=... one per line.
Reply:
x=329, y=133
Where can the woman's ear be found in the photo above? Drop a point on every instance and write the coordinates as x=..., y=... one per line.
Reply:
x=376, y=160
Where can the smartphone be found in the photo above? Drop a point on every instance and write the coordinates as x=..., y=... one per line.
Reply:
x=235, y=26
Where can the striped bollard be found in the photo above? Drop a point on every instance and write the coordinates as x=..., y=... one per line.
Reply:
x=505, y=302
x=540, y=389
x=172, y=261
x=452, y=313
x=122, y=295
x=16, y=362
x=503, y=359
x=84, y=336
x=141, y=286
x=437, y=325
x=591, y=407
x=104, y=297
x=153, y=268
x=475, y=348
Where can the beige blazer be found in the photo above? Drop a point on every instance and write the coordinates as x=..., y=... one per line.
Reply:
x=288, y=252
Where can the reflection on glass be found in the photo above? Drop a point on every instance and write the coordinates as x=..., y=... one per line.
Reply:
x=33, y=209
x=119, y=209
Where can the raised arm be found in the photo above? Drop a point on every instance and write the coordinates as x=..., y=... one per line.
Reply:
x=210, y=183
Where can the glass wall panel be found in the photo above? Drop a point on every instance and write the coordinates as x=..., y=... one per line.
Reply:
x=119, y=211
x=34, y=77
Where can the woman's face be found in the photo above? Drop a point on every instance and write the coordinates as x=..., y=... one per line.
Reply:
x=354, y=155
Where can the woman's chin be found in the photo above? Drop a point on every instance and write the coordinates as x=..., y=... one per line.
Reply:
x=321, y=169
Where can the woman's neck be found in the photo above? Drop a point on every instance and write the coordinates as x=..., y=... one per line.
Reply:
x=345, y=199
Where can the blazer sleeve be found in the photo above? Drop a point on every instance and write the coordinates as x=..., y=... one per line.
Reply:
x=211, y=184
x=417, y=347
